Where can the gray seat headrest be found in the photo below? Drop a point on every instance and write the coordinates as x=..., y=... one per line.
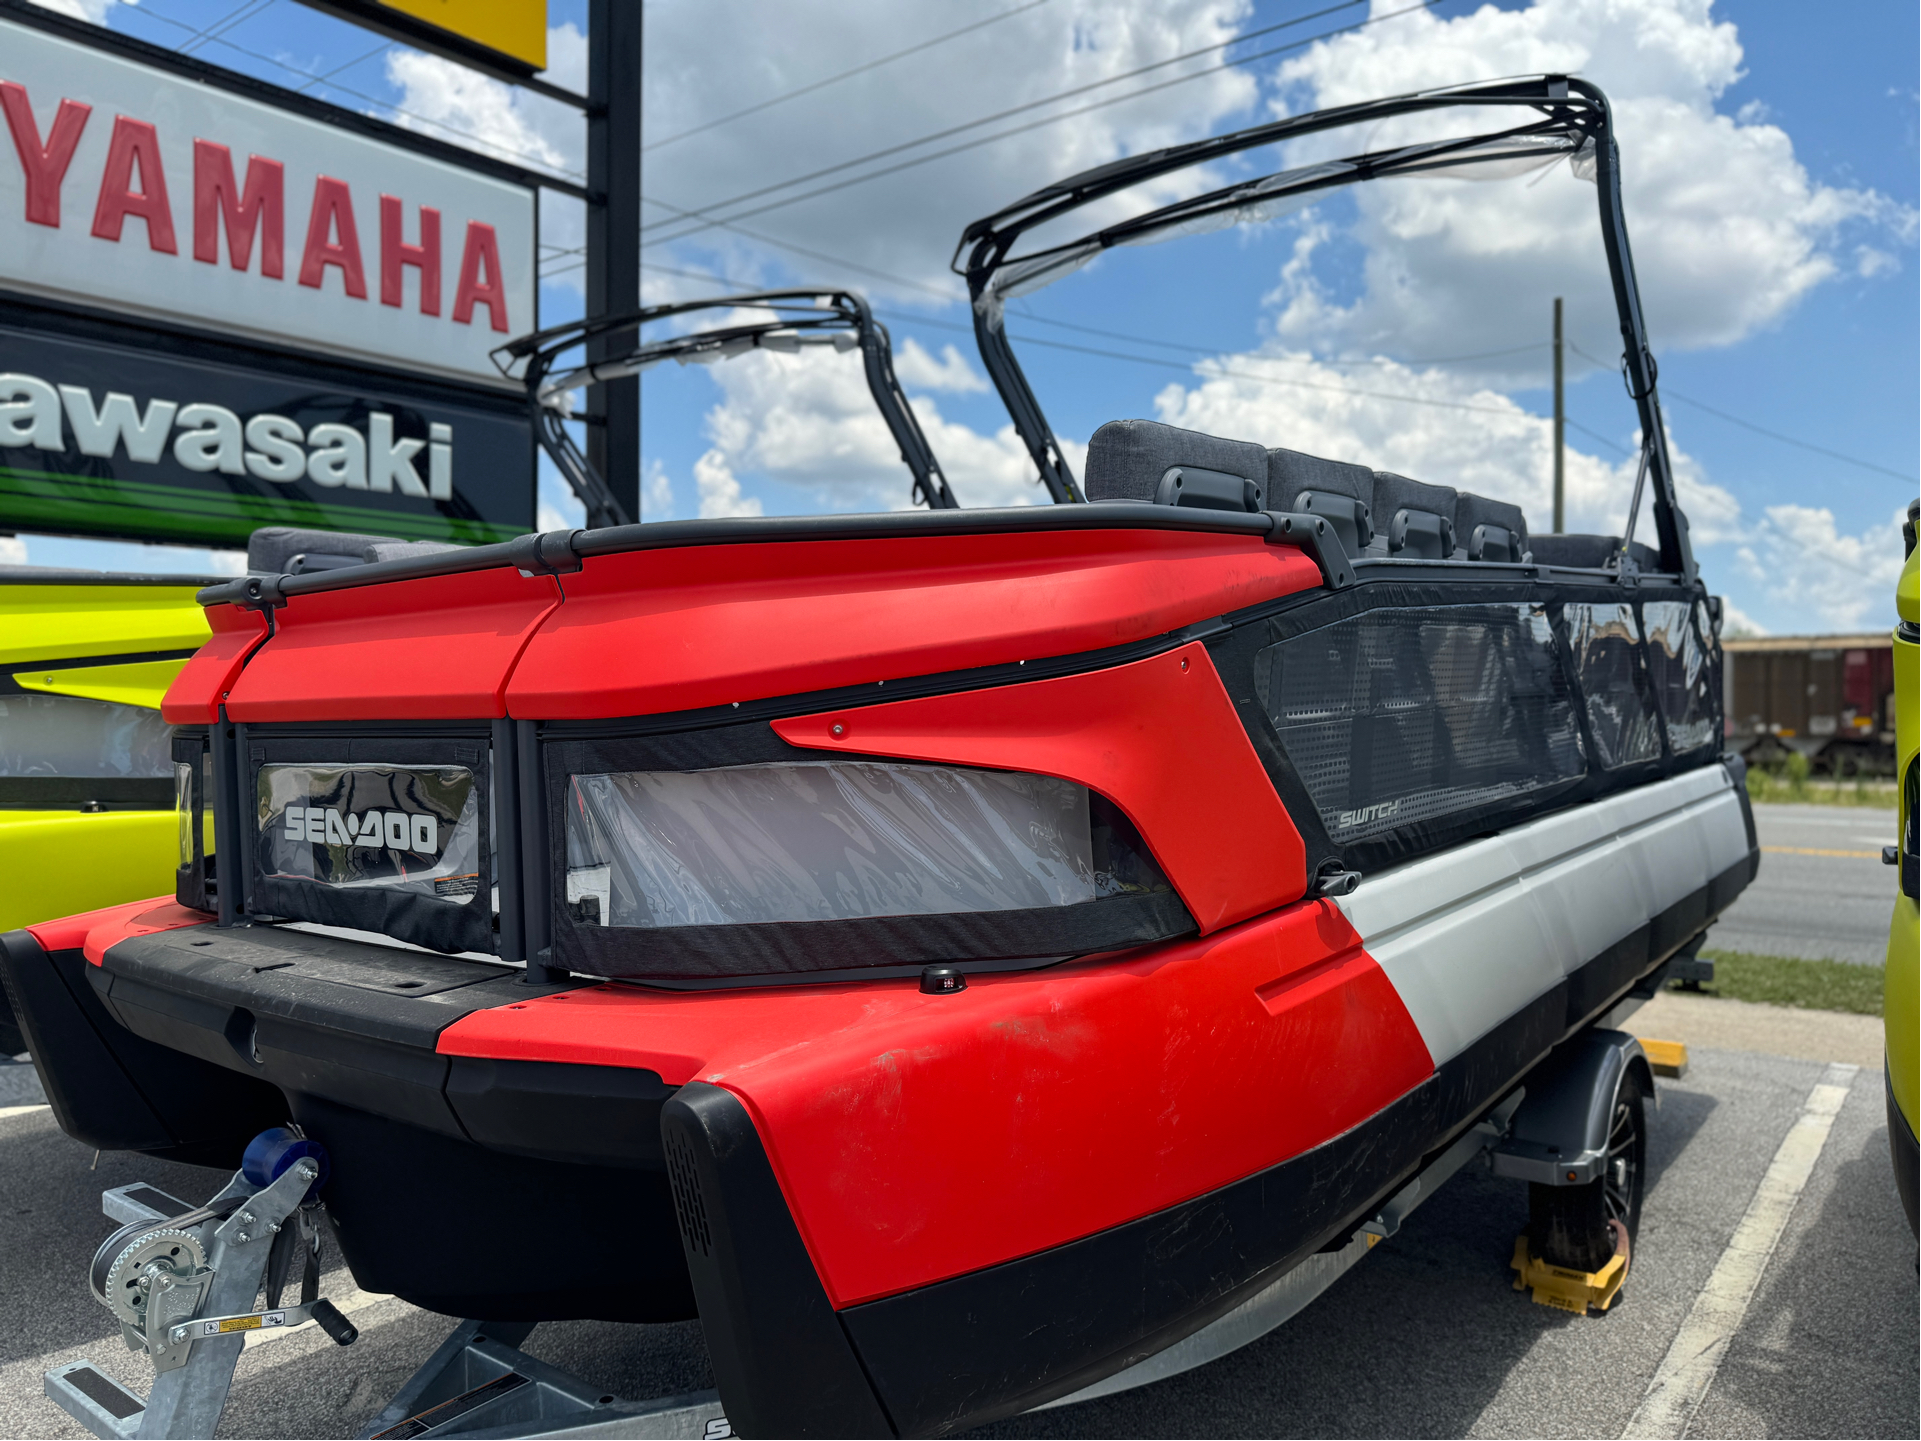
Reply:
x=1396, y=492
x=1290, y=473
x=280, y=549
x=1127, y=458
x=1474, y=511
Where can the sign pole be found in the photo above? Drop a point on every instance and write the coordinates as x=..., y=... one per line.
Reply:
x=613, y=234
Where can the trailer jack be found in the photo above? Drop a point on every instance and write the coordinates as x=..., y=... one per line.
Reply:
x=183, y=1282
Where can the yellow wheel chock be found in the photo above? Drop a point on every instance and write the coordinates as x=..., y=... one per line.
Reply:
x=1567, y=1290
x=1669, y=1058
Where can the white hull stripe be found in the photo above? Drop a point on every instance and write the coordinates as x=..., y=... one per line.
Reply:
x=1470, y=936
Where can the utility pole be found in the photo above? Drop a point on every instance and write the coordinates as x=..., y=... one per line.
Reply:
x=1560, y=430
x=613, y=235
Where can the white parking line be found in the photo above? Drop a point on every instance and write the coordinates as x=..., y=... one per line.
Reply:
x=6, y=1111
x=1681, y=1383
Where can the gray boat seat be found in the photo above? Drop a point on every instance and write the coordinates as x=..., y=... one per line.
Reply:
x=291, y=550
x=1135, y=460
x=1489, y=529
x=1343, y=493
x=1589, y=552
x=1418, y=518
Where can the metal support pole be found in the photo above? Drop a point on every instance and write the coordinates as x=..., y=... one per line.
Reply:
x=1560, y=430
x=613, y=235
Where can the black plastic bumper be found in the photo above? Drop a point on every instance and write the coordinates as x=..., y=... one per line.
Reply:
x=1906, y=1154
x=438, y=1162
x=114, y=1090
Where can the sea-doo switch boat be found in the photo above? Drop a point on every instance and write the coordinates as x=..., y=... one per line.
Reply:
x=970, y=958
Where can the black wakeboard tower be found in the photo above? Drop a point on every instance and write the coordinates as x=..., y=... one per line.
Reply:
x=1571, y=119
x=798, y=318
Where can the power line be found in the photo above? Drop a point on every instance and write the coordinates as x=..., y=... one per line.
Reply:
x=846, y=75
x=1222, y=370
x=1674, y=394
x=340, y=69
x=1613, y=445
x=835, y=260
x=244, y=11
x=1025, y=314
x=1034, y=105
x=1596, y=435
x=1153, y=360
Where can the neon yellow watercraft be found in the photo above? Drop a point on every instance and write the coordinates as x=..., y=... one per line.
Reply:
x=1903, y=999
x=87, y=814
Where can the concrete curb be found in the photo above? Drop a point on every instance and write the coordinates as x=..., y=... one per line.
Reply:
x=1721, y=1024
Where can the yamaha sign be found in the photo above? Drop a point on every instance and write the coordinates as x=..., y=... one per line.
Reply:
x=224, y=307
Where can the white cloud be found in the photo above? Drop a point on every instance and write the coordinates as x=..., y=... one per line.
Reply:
x=809, y=422
x=93, y=11
x=656, y=492
x=1435, y=425
x=453, y=103
x=13, y=550
x=551, y=517
x=719, y=491
x=1729, y=230
x=1869, y=262
x=709, y=60
x=1730, y=233
x=1736, y=622
x=918, y=370
x=1818, y=578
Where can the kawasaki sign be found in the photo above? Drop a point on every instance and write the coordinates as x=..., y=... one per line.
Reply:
x=102, y=437
x=224, y=306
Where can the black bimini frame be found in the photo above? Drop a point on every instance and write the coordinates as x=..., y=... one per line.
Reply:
x=1571, y=119
x=798, y=318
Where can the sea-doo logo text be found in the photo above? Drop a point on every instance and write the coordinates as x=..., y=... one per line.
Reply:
x=394, y=830
x=1369, y=813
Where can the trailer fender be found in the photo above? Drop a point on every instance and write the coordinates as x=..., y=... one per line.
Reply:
x=1560, y=1133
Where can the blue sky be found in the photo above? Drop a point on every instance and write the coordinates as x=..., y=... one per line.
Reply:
x=1773, y=147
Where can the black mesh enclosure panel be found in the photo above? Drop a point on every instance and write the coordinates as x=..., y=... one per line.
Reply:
x=1683, y=680
x=1394, y=718
x=1605, y=645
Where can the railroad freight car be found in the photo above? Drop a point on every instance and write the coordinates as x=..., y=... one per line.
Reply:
x=1828, y=697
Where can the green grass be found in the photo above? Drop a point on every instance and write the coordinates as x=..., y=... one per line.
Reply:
x=1788, y=981
x=1881, y=795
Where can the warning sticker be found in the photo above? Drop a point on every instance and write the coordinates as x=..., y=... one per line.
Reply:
x=230, y=1324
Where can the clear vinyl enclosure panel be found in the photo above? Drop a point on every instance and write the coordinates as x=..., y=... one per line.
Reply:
x=409, y=828
x=192, y=784
x=1678, y=659
x=1604, y=643
x=60, y=735
x=839, y=840
x=1396, y=717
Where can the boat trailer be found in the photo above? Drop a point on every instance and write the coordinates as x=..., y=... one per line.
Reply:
x=183, y=1283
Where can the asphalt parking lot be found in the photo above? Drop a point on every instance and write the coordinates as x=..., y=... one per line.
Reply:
x=1823, y=892
x=1424, y=1338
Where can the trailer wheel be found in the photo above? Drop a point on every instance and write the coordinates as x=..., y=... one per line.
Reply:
x=1581, y=1227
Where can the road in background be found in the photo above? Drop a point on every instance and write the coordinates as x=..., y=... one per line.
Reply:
x=1823, y=893
x=1424, y=1337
